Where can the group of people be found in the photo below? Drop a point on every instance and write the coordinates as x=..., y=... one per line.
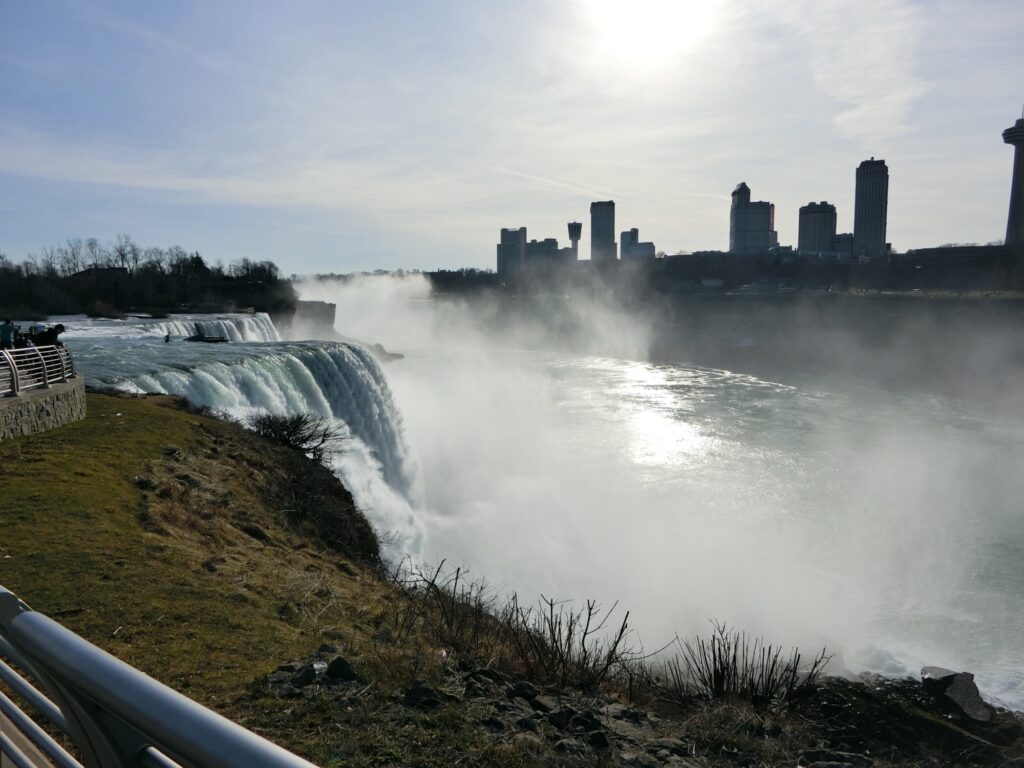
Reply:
x=11, y=336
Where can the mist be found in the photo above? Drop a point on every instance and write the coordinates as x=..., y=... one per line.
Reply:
x=556, y=459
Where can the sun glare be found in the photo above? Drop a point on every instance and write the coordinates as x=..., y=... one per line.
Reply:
x=645, y=35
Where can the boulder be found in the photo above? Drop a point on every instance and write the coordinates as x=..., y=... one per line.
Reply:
x=958, y=691
x=341, y=670
x=421, y=695
x=570, y=746
x=670, y=745
x=523, y=690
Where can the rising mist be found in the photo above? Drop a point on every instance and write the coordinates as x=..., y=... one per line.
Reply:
x=556, y=459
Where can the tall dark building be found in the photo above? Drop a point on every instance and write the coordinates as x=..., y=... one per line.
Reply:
x=602, y=231
x=1015, y=221
x=511, y=251
x=817, y=228
x=870, y=209
x=627, y=239
x=751, y=225
x=575, y=230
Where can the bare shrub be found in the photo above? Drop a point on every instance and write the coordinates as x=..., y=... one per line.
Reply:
x=550, y=643
x=314, y=436
x=553, y=643
x=730, y=665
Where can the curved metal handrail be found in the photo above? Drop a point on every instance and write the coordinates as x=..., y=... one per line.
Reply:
x=34, y=368
x=114, y=714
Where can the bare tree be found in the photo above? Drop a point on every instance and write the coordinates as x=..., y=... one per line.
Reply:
x=96, y=254
x=70, y=256
x=122, y=251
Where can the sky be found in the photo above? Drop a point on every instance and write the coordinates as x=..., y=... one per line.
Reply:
x=334, y=136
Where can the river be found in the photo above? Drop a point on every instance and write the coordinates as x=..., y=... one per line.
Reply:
x=884, y=524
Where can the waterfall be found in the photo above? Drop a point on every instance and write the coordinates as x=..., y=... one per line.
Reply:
x=340, y=382
x=258, y=327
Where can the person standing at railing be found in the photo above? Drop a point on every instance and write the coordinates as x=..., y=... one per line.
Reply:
x=7, y=331
x=48, y=337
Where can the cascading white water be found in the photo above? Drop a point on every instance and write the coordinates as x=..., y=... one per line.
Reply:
x=336, y=381
x=256, y=327
x=236, y=327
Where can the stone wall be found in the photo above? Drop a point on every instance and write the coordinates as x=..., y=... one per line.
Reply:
x=41, y=409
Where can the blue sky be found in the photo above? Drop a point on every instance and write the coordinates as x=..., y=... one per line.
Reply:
x=339, y=136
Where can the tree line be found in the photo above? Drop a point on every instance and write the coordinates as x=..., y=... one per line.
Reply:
x=87, y=276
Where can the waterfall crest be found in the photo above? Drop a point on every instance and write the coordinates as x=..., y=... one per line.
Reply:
x=336, y=381
x=257, y=327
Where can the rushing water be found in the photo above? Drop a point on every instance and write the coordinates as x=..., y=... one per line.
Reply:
x=886, y=525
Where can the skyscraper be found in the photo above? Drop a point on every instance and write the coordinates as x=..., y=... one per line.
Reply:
x=1015, y=221
x=602, y=231
x=870, y=209
x=817, y=228
x=627, y=239
x=511, y=250
x=751, y=225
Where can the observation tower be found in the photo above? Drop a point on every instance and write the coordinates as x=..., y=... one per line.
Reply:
x=1015, y=222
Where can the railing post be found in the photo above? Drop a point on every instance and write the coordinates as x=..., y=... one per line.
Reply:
x=62, y=355
x=15, y=384
x=42, y=362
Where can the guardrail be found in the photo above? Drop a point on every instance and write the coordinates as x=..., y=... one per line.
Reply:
x=33, y=368
x=111, y=713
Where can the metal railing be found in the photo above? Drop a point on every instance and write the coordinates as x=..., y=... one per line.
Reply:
x=33, y=368
x=111, y=713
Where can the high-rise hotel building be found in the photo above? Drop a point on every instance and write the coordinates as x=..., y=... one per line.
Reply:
x=602, y=231
x=751, y=225
x=870, y=209
x=817, y=228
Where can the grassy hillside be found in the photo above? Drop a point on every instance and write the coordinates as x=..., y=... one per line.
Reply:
x=161, y=535
x=194, y=550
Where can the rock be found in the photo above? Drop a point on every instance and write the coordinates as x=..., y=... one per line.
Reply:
x=489, y=674
x=599, y=740
x=493, y=724
x=340, y=669
x=327, y=648
x=544, y=703
x=637, y=760
x=561, y=718
x=523, y=690
x=958, y=690
x=528, y=723
x=672, y=746
x=570, y=746
x=288, y=667
x=586, y=722
x=527, y=742
x=305, y=676
x=427, y=697
x=827, y=758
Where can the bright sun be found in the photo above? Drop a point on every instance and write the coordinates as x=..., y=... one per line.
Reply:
x=646, y=35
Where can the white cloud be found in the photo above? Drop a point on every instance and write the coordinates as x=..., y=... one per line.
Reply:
x=864, y=56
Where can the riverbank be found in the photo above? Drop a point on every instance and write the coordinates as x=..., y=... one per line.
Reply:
x=169, y=538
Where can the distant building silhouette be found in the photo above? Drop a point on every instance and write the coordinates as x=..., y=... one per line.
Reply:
x=542, y=251
x=512, y=251
x=631, y=249
x=842, y=246
x=1015, y=221
x=751, y=225
x=575, y=230
x=817, y=228
x=602, y=231
x=871, y=209
x=627, y=239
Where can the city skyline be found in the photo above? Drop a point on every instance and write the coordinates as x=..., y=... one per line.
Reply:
x=339, y=137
